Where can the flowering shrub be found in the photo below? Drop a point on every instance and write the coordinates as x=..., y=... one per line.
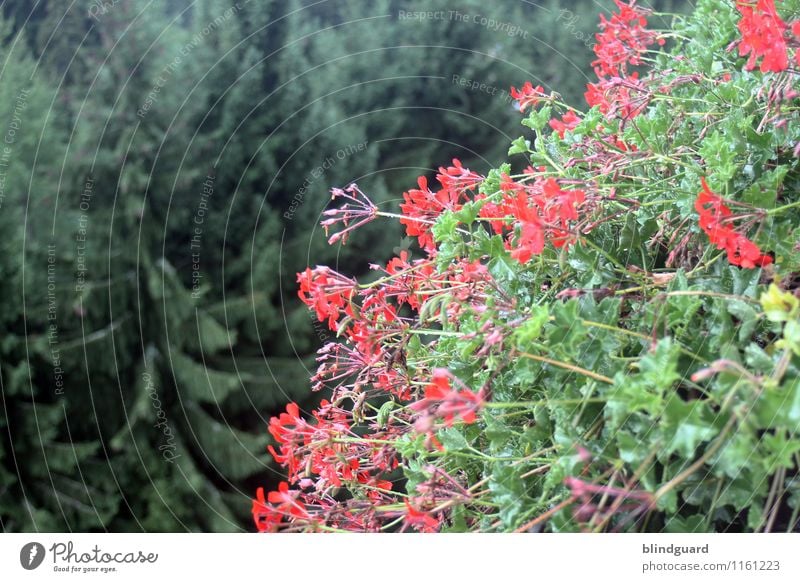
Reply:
x=605, y=340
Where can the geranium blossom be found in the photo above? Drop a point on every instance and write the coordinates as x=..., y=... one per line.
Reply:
x=528, y=95
x=443, y=401
x=618, y=97
x=540, y=211
x=422, y=206
x=715, y=220
x=568, y=122
x=763, y=36
x=623, y=40
x=327, y=292
x=457, y=178
x=422, y=521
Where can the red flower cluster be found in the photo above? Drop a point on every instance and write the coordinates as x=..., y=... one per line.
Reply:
x=623, y=40
x=324, y=453
x=421, y=207
x=286, y=501
x=327, y=448
x=422, y=521
x=528, y=95
x=327, y=292
x=442, y=401
x=337, y=445
x=306, y=447
x=539, y=210
x=618, y=97
x=764, y=36
x=409, y=282
x=715, y=220
x=457, y=178
x=568, y=122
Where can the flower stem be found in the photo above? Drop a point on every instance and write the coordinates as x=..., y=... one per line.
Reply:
x=570, y=367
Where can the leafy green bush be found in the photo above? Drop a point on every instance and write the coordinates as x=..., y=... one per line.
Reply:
x=606, y=340
x=150, y=151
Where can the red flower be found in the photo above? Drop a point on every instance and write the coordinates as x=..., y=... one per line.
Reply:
x=530, y=240
x=287, y=502
x=421, y=521
x=421, y=208
x=457, y=178
x=269, y=513
x=327, y=292
x=442, y=401
x=622, y=41
x=538, y=210
x=568, y=122
x=290, y=432
x=288, y=427
x=762, y=36
x=559, y=208
x=410, y=279
x=595, y=95
x=266, y=518
x=715, y=218
x=528, y=95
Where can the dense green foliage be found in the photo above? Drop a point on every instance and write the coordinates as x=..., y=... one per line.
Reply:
x=139, y=353
x=606, y=340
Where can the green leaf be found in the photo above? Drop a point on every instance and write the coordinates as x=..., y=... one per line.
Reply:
x=452, y=439
x=531, y=328
x=689, y=524
x=538, y=118
x=686, y=425
x=508, y=491
x=519, y=146
x=445, y=226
